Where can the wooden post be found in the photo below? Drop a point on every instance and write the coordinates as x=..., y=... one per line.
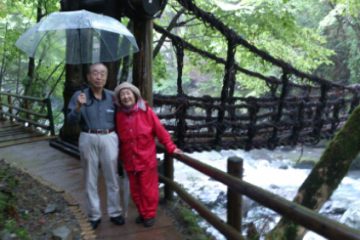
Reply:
x=209, y=110
x=50, y=116
x=1, y=109
x=26, y=105
x=180, y=132
x=142, y=63
x=169, y=173
x=10, y=107
x=234, y=201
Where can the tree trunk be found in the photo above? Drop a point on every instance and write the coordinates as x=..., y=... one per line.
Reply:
x=125, y=66
x=325, y=177
x=113, y=70
x=3, y=59
x=74, y=80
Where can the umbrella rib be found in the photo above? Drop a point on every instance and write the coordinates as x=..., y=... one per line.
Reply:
x=38, y=43
x=108, y=49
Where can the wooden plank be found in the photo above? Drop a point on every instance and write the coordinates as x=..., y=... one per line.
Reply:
x=5, y=131
x=7, y=124
x=23, y=141
x=64, y=172
x=20, y=136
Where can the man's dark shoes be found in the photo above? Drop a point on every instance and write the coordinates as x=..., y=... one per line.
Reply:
x=139, y=220
x=149, y=222
x=119, y=220
x=95, y=223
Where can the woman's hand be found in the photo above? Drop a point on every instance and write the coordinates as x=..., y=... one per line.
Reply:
x=178, y=151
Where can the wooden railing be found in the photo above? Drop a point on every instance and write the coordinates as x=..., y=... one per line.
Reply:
x=231, y=229
x=30, y=111
x=236, y=187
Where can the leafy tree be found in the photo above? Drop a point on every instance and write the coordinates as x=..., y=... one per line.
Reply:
x=20, y=15
x=341, y=26
x=269, y=25
x=18, y=73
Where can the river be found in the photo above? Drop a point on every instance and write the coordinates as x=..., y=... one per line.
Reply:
x=280, y=171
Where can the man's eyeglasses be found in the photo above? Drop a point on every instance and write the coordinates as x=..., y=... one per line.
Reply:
x=96, y=73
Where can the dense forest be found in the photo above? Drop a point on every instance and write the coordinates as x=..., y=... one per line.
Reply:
x=316, y=37
x=321, y=37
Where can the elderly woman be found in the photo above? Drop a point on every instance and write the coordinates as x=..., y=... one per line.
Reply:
x=137, y=126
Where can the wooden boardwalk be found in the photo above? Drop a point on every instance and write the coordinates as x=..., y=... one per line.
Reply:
x=15, y=133
x=64, y=172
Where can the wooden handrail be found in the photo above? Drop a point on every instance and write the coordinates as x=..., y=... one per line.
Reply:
x=25, y=120
x=227, y=230
x=28, y=114
x=293, y=211
x=24, y=110
x=23, y=97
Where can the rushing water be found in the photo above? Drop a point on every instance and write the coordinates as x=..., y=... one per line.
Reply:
x=278, y=171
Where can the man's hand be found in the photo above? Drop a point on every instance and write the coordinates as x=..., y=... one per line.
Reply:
x=81, y=100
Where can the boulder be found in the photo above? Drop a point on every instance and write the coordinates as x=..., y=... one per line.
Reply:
x=351, y=217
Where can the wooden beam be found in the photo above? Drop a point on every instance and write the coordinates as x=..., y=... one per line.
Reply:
x=142, y=67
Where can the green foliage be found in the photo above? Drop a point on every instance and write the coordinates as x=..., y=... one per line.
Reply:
x=20, y=15
x=4, y=198
x=16, y=18
x=161, y=73
x=272, y=26
x=340, y=25
x=11, y=226
x=299, y=32
x=354, y=63
x=348, y=7
x=291, y=231
x=250, y=87
x=190, y=221
x=7, y=219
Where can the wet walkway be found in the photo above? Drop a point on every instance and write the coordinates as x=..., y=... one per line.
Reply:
x=64, y=172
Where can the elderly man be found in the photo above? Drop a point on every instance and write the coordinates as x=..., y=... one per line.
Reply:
x=93, y=109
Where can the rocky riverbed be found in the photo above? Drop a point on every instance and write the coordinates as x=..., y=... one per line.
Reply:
x=280, y=171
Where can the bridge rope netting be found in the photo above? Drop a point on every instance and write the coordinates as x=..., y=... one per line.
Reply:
x=299, y=108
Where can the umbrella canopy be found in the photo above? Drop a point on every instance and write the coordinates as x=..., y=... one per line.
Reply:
x=77, y=37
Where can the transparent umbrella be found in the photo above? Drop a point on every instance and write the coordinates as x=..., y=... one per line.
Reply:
x=77, y=37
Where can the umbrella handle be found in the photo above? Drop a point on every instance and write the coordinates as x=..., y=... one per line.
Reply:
x=83, y=86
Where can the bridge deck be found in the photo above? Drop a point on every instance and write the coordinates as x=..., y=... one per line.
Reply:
x=64, y=172
x=14, y=133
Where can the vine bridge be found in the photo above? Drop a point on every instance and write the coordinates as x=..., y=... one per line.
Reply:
x=300, y=108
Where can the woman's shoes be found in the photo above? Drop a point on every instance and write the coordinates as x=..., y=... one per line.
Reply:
x=139, y=220
x=146, y=222
x=149, y=222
